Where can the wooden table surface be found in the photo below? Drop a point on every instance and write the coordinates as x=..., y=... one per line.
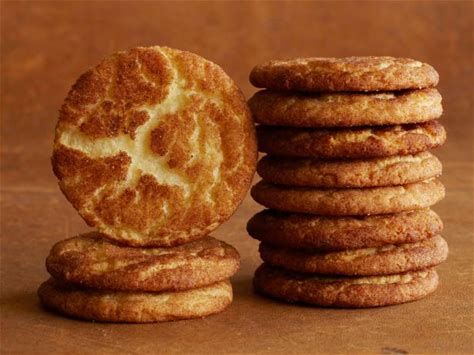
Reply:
x=46, y=45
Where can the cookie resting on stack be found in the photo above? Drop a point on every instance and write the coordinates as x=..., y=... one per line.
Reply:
x=155, y=148
x=348, y=179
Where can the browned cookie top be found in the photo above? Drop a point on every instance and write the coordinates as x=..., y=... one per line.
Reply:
x=304, y=231
x=384, y=260
x=371, y=291
x=361, y=142
x=344, y=74
x=154, y=146
x=90, y=260
x=345, y=109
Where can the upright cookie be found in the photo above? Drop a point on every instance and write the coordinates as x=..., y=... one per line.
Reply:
x=276, y=108
x=385, y=260
x=349, y=202
x=362, y=142
x=154, y=147
x=135, y=307
x=91, y=261
x=304, y=231
x=349, y=292
x=344, y=74
x=396, y=170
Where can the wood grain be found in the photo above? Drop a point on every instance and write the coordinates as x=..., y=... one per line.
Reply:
x=46, y=45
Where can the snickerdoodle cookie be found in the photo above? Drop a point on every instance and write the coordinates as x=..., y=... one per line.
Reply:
x=134, y=307
x=276, y=108
x=344, y=74
x=349, y=202
x=155, y=146
x=304, y=231
x=92, y=261
x=360, y=142
x=385, y=260
x=350, y=292
x=396, y=170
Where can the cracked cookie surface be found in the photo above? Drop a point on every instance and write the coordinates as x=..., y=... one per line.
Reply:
x=90, y=260
x=154, y=147
x=344, y=74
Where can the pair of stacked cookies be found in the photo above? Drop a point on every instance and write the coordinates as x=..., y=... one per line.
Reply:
x=155, y=148
x=348, y=180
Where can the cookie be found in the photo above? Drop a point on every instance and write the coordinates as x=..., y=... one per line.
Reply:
x=155, y=147
x=344, y=74
x=385, y=260
x=349, y=202
x=396, y=170
x=135, y=307
x=362, y=142
x=91, y=261
x=345, y=109
x=303, y=231
x=349, y=292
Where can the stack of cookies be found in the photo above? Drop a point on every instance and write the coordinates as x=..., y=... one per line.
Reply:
x=348, y=179
x=155, y=148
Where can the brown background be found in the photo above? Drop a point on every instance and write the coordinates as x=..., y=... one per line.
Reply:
x=46, y=45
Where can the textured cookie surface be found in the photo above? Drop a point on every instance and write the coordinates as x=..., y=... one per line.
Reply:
x=303, y=231
x=396, y=170
x=135, y=307
x=362, y=142
x=90, y=260
x=349, y=202
x=344, y=74
x=351, y=292
x=345, y=109
x=154, y=146
x=386, y=260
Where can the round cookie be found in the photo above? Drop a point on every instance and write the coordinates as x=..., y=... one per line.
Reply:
x=396, y=170
x=386, y=260
x=362, y=142
x=344, y=74
x=91, y=261
x=303, y=231
x=349, y=292
x=135, y=307
x=345, y=109
x=349, y=202
x=155, y=147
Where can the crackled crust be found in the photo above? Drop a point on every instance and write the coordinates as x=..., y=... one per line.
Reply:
x=154, y=147
x=345, y=109
x=396, y=170
x=365, y=142
x=91, y=261
x=349, y=292
x=349, y=202
x=134, y=307
x=304, y=231
x=344, y=74
x=386, y=260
